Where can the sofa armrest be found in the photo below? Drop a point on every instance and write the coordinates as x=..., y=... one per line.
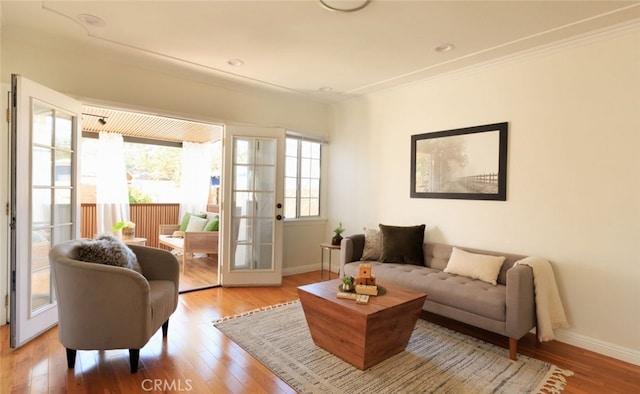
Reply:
x=168, y=229
x=351, y=249
x=201, y=241
x=521, y=311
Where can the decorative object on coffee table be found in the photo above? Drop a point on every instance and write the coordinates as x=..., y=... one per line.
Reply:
x=347, y=283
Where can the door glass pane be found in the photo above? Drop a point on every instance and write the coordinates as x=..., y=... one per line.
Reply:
x=42, y=125
x=265, y=205
x=242, y=177
x=265, y=177
x=243, y=203
x=41, y=207
x=41, y=166
x=41, y=294
x=64, y=131
x=264, y=255
x=266, y=152
x=63, y=168
x=243, y=151
x=62, y=209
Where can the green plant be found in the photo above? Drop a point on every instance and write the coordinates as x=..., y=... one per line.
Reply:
x=122, y=224
x=348, y=280
x=339, y=230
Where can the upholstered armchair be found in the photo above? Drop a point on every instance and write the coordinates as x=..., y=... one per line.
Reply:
x=103, y=307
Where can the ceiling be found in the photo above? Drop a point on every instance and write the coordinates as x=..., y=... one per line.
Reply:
x=299, y=47
x=147, y=126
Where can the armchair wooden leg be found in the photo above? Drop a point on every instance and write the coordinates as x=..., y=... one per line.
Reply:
x=165, y=328
x=134, y=356
x=71, y=358
x=513, y=348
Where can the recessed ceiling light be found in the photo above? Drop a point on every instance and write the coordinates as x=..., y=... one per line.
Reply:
x=344, y=6
x=445, y=47
x=91, y=20
x=236, y=62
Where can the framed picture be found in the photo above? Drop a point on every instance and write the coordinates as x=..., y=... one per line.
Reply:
x=468, y=163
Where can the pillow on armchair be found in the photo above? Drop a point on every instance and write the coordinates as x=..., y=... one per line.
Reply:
x=106, y=249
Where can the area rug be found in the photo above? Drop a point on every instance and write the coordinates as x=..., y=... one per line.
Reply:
x=436, y=360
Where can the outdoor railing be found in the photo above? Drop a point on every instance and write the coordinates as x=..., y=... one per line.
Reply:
x=147, y=217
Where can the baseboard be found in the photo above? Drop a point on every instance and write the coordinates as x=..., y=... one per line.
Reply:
x=304, y=269
x=597, y=346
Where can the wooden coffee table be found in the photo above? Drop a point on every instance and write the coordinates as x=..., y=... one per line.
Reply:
x=362, y=335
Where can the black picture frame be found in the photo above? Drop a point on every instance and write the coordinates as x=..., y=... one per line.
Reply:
x=468, y=163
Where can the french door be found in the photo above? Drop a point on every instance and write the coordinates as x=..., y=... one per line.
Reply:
x=253, y=185
x=43, y=205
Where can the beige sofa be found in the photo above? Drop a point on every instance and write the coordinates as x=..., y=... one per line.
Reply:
x=507, y=308
x=104, y=307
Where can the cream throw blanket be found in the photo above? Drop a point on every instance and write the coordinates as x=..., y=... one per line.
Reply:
x=549, y=310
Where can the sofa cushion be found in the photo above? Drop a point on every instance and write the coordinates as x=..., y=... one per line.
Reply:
x=475, y=266
x=372, y=244
x=185, y=219
x=402, y=244
x=213, y=224
x=458, y=292
x=196, y=224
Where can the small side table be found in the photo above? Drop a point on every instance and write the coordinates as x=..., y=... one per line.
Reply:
x=135, y=241
x=330, y=247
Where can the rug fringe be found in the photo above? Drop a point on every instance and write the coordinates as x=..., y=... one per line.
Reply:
x=254, y=311
x=555, y=381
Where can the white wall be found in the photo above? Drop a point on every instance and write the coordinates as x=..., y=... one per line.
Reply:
x=573, y=173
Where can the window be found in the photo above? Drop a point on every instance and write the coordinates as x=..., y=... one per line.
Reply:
x=302, y=178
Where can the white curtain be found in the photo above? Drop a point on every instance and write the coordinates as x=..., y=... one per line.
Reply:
x=112, y=196
x=196, y=176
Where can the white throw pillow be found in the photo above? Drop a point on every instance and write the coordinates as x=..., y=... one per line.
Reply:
x=196, y=224
x=372, y=245
x=476, y=266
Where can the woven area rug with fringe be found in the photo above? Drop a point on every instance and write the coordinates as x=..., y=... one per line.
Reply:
x=436, y=360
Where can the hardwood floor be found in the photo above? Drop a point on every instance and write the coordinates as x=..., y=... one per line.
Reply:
x=197, y=358
x=200, y=272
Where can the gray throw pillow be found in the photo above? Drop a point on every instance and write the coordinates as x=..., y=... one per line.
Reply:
x=402, y=244
x=106, y=249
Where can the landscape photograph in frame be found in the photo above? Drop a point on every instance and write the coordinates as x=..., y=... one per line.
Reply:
x=467, y=163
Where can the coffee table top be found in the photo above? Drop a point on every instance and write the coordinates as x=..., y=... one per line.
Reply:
x=394, y=296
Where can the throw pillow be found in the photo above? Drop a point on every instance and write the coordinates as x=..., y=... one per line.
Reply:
x=213, y=224
x=476, y=266
x=106, y=249
x=372, y=241
x=196, y=223
x=185, y=219
x=402, y=244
